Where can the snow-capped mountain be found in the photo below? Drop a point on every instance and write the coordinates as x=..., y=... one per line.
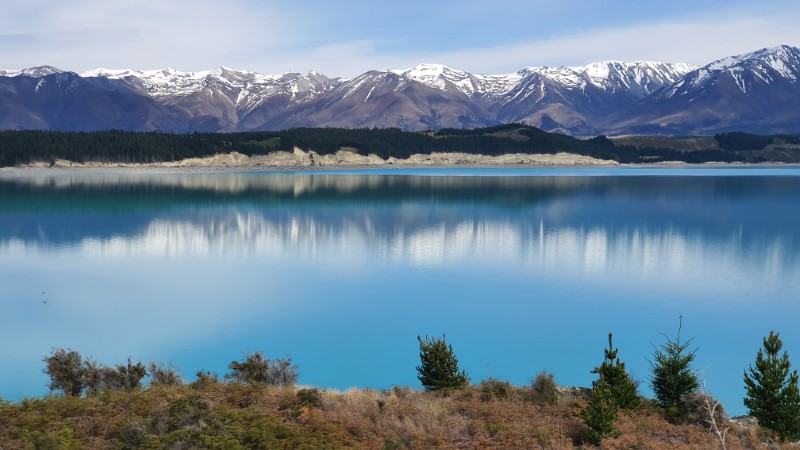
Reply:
x=758, y=91
x=637, y=79
x=441, y=77
x=573, y=99
x=38, y=71
x=218, y=99
x=755, y=91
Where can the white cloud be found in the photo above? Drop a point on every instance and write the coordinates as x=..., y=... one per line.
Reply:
x=697, y=42
x=80, y=35
x=196, y=35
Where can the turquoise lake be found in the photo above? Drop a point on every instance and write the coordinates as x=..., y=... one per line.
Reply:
x=524, y=270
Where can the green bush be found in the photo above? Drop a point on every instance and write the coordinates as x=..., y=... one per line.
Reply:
x=126, y=377
x=257, y=369
x=205, y=377
x=492, y=389
x=65, y=368
x=163, y=374
x=543, y=390
x=311, y=398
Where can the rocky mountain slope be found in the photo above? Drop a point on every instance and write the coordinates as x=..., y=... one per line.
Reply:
x=753, y=92
x=757, y=92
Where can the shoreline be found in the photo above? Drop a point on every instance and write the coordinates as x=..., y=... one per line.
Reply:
x=301, y=161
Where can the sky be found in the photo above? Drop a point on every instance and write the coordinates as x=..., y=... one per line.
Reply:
x=348, y=37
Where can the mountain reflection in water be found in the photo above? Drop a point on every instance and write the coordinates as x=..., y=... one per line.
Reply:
x=214, y=264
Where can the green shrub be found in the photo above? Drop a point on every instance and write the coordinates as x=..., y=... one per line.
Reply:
x=205, y=377
x=543, y=390
x=163, y=374
x=492, y=389
x=311, y=398
x=65, y=369
x=131, y=435
x=126, y=377
x=257, y=369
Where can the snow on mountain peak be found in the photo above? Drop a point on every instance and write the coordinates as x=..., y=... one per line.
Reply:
x=782, y=60
x=639, y=77
x=37, y=71
x=440, y=76
x=780, y=53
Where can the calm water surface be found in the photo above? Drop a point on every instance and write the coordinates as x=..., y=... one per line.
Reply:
x=524, y=270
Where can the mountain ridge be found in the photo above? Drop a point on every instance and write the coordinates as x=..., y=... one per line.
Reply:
x=606, y=97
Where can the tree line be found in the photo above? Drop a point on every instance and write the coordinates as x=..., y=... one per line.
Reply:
x=24, y=147
x=772, y=395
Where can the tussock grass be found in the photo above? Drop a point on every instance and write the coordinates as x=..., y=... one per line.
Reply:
x=256, y=416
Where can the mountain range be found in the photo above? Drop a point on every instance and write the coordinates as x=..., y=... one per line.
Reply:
x=754, y=92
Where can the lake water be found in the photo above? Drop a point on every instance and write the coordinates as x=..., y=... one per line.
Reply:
x=524, y=270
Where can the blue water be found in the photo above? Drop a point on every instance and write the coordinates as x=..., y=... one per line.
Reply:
x=524, y=270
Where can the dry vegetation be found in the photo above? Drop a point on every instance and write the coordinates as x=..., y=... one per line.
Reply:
x=256, y=416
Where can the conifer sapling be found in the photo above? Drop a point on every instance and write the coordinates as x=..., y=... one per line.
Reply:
x=772, y=392
x=438, y=367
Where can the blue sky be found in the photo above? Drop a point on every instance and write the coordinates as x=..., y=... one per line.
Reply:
x=348, y=37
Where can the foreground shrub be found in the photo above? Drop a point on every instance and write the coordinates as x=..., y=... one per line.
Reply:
x=438, y=367
x=163, y=375
x=205, y=377
x=311, y=398
x=543, y=390
x=74, y=377
x=65, y=368
x=257, y=369
x=126, y=377
x=492, y=389
x=696, y=409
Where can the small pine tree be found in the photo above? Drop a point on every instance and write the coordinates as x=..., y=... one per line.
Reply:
x=772, y=392
x=438, y=367
x=620, y=384
x=600, y=414
x=673, y=378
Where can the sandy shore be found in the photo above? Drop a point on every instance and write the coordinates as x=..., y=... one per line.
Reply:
x=300, y=160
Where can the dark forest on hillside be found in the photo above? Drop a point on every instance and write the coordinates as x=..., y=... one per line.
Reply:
x=23, y=147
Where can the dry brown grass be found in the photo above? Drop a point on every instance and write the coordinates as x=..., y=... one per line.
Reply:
x=236, y=416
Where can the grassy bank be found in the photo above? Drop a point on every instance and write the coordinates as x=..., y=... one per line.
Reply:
x=231, y=415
